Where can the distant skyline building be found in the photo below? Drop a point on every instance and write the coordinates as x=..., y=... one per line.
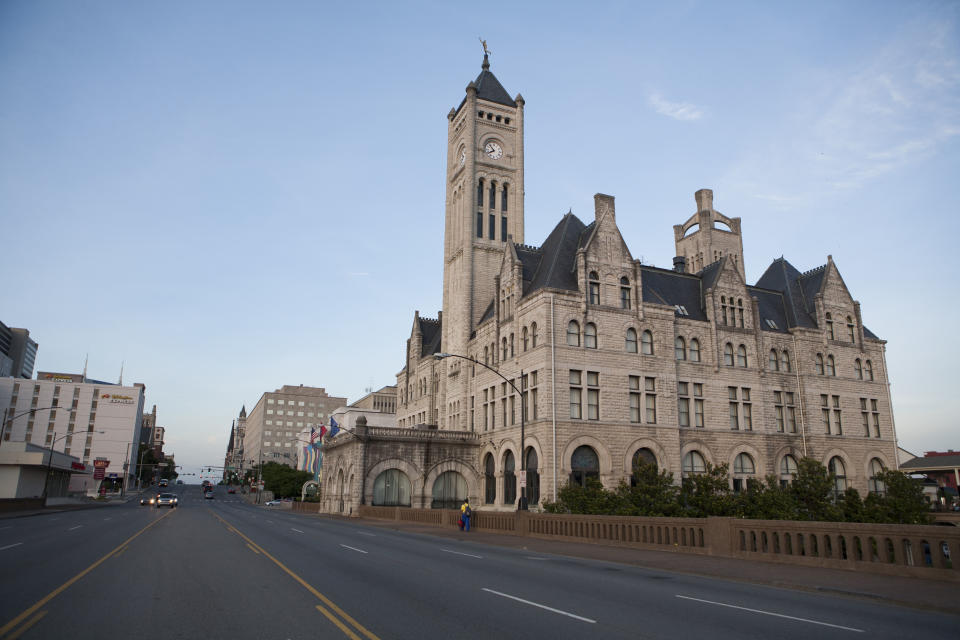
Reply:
x=18, y=353
x=272, y=427
x=41, y=411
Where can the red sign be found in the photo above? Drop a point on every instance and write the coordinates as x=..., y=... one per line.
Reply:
x=99, y=467
x=78, y=466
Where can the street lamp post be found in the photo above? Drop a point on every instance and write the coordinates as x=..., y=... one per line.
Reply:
x=46, y=478
x=522, y=506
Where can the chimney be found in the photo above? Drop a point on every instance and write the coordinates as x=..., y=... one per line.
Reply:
x=680, y=264
x=704, y=200
x=603, y=204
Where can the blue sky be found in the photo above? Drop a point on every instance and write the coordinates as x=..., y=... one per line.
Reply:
x=229, y=197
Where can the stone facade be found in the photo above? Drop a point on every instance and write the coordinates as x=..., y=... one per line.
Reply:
x=617, y=359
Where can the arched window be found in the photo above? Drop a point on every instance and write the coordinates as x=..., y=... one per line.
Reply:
x=830, y=333
x=743, y=471
x=509, y=479
x=631, y=342
x=525, y=339
x=741, y=356
x=788, y=470
x=818, y=364
x=831, y=366
x=851, y=330
x=646, y=342
x=728, y=355
x=573, y=333
x=693, y=462
x=533, y=334
x=868, y=370
x=680, y=348
x=584, y=464
x=774, y=360
x=489, y=480
x=839, y=471
x=503, y=199
x=593, y=287
x=590, y=336
x=492, y=200
x=504, y=348
x=624, y=293
x=785, y=360
x=641, y=457
x=391, y=489
x=858, y=368
x=480, y=196
x=449, y=491
x=694, y=350
x=533, y=477
x=876, y=485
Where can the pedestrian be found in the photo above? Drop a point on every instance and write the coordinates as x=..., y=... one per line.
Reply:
x=465, y=513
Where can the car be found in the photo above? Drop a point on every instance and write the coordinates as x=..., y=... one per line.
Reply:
x=164, y=483
x=148, y=500
x=208, y=495
x=231, y=490
x=166, y=500
x=273, y=503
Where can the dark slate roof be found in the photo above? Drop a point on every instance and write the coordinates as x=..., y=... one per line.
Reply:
x=243, y=411
x=811, y=283
x=230, y=444
x=709, y=274
x=772, y=307
x=784, y=277
x=487, y=314
x=430, y=330
x=662, y=286
x=932, y=461
x=558, y=257
x=490, y=89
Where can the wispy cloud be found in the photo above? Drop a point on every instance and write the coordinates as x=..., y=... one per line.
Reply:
x=675, y=110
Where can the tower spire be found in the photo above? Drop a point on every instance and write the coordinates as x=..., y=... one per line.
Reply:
x=486, y=62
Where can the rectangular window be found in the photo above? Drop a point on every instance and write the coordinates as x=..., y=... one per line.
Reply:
x=576, y=394
x=875, y=411
x=683, y=404
x=503, y=228
x=837, y=423
x=634, y=398
x=650, y=386
x=479, y=224
x=491, y=228
x=594, y=292
x=825, y=412
x=778, y=410
x=593, y=395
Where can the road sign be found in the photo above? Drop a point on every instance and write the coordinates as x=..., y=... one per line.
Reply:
x=523, y=478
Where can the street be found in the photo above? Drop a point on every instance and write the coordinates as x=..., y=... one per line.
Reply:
x=223, y=569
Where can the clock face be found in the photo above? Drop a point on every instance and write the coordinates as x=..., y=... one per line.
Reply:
x=493, y=150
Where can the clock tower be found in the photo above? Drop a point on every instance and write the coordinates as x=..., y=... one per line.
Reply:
x=484, y=203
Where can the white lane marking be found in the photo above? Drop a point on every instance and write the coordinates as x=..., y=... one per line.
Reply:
x=297, y=530
x=76, y=527
x=352, y=548
x=105, y=519
x=364, y=533
x=542, y=606
x=462, y=554
x=535, y=558
x=770, y=613
x=10, y=546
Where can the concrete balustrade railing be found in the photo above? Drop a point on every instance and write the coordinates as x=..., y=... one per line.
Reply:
x=907, y=550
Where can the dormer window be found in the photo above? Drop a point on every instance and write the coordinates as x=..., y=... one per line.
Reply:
x=593, y=287
x=770, y=323
x=680, y=309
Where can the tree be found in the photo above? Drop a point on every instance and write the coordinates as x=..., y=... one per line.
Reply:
x=708, y=493
x=813, y=489
x=282, y=480
x=653, y=493
x=901, y=501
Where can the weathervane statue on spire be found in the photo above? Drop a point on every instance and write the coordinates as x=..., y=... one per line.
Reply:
x=486, y=51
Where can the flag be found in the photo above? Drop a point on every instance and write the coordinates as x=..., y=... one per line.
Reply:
x=334, y=427
x=313, y=435
x=323, y=431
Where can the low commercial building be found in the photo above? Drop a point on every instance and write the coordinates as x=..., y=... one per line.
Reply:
x=24, y=471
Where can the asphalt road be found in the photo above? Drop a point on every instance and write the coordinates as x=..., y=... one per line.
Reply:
x=224, y=569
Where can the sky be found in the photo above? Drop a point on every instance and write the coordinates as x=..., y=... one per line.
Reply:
x=226, y=197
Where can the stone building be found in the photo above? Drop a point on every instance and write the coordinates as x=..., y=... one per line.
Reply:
x=617, y=361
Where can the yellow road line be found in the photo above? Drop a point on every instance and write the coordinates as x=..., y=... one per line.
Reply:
x=34, y=620
x=343, y=614
x=337, y=622
x=249, y=545
x=53, y=594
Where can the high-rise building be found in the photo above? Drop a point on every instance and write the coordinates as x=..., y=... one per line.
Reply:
x=18, y=353
x=271, y=429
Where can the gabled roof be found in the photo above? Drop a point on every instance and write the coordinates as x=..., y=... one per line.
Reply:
x=556, y=266
x=784, y=277
x=929, y=462
x=490, y=89
x=430, y=329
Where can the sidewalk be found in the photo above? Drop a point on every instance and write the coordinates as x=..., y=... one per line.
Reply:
x=917, y=593
x=60, y=508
